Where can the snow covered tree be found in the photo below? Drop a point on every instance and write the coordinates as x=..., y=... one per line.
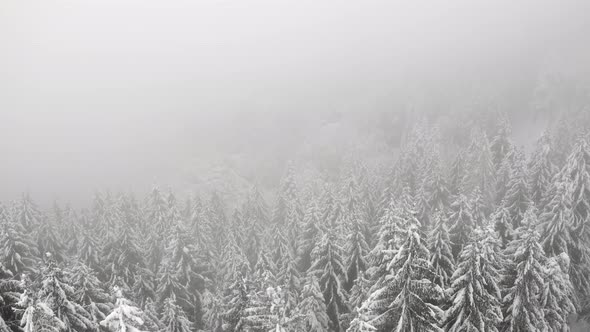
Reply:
x=27, y=213
x=10, y=292
x=558, y=299
x=502, y=222
x=40, y=318
x=461, y=223
x=525, y=279
x=59, y=295
x=310, y=234
x=123, y=256
x=517, y=199
x=501, y=143
x=441, y=255
x=577, y=173
x=475, y=292
x=89, y=292
x=405, y=302
x=48, y=241
x=19, y=252
x=541, y=170
x=556, y=221
x=313, y=307
x=125, y=317
x=235, y=301
x=174, y=318
x=356, y=250
x=89, y=250
x=328, y=267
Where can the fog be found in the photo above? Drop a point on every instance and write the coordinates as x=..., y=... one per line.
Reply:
x=125, y=94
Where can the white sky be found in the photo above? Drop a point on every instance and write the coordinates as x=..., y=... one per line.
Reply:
x=114, y=93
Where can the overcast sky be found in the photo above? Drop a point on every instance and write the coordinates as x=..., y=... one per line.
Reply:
x=118, y=93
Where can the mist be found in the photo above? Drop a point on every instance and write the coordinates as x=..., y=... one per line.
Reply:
x=128, y=94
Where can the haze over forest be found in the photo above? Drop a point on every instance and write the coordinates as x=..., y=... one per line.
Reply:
x=122, y=95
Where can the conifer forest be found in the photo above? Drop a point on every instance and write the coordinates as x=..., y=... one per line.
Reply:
x=469, y=235
x=294, y=166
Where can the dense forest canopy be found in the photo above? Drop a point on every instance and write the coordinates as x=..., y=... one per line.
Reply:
x=449, y=230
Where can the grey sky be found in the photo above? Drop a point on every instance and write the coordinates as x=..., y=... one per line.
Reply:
x=122, y=93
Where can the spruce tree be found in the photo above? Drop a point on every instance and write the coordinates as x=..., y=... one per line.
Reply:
x=441, y=255
x=558, y=300
x=19, y=252
x=405, y=302
x=517, y=199
x=526, y=279
x=125, y=317
x=577, y=172
x=10, y=292
x=475, y=292
x=313, y=307
x=174, y=318
x=90, y=293
x=461, y=223
x=328, y=267
x=541, y=171
x=57, y=292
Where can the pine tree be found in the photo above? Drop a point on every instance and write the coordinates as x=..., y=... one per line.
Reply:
x=475, y=290
x=517, y=199
x=59, y=295
x=501, y=143
x=541, y=170
x=143, y=288
x=10, y=292
x=502, y=222
x=526, y=279
x=405, y=302
x=558, y=299
x=18, y=249
x=235, y=301
x=40, y=318
x=27, y=213
x=313, y=307
x=461, y=223
x=174, y=318
x=577, y=172
x=356, y=250
x=124, y=256
x=89, y=250
x=328, y=267
x=556, y=221
x=48, y=241
x=310, y=235
x=125, y=317
x=441, y=256
x=90, y=293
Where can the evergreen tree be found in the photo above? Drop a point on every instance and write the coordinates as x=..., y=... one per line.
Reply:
x=501, y=143
x=406, y=300
x=526, y=279
x=558, y=299
x=310, y=235
x=328, y=267
x=125, y=317
x=461, y=223
x=10, y=292
x=556, y=221
x=441, y=256
x=59, y=295
x=18, y=249
x=517, y=199
x=356, y=250
x=541, y=170
x=123, y=256
x=475, y=290
x=313, y=307
x=173, y=318
x=27, y=213
x=90, y=293
x=577, y=172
